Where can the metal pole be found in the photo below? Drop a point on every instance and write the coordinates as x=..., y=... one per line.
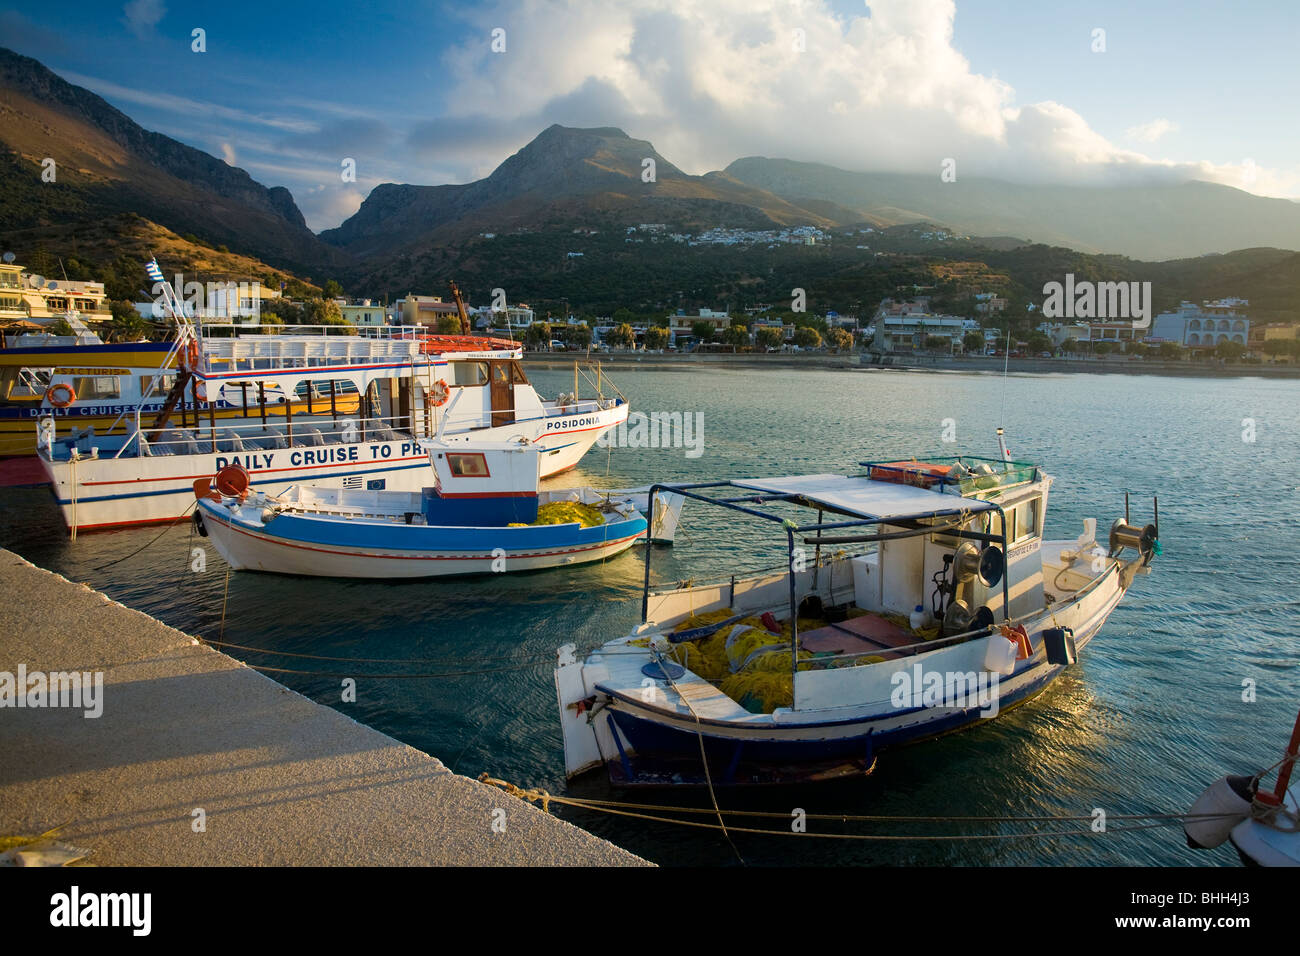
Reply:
x=288, y=417
x=794, y=614
x=645, y=593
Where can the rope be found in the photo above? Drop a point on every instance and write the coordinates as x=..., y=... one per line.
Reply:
x=170, y=524
x=632, y=810
x=475, y=673
x=376, y=660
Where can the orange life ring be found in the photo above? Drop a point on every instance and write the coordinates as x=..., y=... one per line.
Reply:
x=233, y=481
x=61, y=395
x=439, y=393
x=192, y=355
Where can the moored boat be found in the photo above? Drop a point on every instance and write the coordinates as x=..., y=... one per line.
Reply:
x=483, y=514
x=952, y=610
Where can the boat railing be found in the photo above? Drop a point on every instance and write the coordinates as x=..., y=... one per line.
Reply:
x=239, y=435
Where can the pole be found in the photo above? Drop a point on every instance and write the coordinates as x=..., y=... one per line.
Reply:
x=794, y=614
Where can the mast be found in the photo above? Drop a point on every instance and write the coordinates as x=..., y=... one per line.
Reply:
x=460, y=307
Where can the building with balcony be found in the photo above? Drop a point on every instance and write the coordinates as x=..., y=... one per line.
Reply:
x=1203, y=326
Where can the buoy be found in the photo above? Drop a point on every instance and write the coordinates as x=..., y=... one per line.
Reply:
x=439, y=394
x=1229, y=800
x=60, y=396
x=233, y=481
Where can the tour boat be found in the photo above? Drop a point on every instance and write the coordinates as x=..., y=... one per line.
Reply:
x=483, y=514
x=921, y=600
x=1263, y=825
x=370, y=399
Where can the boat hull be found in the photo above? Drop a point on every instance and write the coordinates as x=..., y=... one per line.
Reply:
x=636, y=734
x=317, y=547
x=103, y=493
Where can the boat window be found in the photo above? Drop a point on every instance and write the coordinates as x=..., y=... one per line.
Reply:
x=1026, y=525
x=500, y=374
x=465, y=465
x=97, y=386
x=469, y=373
x=165, y=384
x=517, y=371
x=995, y=524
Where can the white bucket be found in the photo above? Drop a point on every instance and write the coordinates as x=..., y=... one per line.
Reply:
x=1219, y=798
x=1000, y=658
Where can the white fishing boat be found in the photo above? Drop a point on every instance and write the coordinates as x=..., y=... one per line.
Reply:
x=1263, y=825
x=370, y=399
x=483, y=514
x=929, y=602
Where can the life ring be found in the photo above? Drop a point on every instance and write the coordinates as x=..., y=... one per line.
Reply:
x=233, y=481
x=439, y=394
x=192, y=355
x=61, y=395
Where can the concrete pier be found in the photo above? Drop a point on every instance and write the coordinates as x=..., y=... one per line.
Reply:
x=280, y=779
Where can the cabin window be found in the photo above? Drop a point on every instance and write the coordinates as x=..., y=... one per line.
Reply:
x=97, y=387
x=1026, y=525
x=517, y=373
x=165, y=384
x=466, y=465
x=500, y=374
x=469, y=373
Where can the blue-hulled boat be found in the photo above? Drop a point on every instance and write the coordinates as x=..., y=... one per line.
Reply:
x=922, y=600
x=483, y=514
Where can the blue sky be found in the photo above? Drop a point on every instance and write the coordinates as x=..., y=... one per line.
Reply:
x=413, y=92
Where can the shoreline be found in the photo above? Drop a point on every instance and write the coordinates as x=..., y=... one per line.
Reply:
x=901, y=363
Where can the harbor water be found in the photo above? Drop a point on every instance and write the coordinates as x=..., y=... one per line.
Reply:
x=1197, y=673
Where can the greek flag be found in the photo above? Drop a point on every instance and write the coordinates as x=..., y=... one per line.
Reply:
x=151, y=267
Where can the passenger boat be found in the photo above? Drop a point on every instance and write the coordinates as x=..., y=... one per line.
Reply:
x=80, y=382
x=1263, y=825
x=483, y=514
x=370, y=399
x=952, y=610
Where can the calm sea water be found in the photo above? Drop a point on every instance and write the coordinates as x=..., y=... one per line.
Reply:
x=1152, y=714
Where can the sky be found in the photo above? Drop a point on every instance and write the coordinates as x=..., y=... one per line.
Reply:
x=1096, y=92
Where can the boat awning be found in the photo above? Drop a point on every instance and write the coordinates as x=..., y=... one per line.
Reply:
x=863, y=497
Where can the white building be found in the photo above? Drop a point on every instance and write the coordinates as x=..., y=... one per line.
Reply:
x=1204, y=325
x=910, y=331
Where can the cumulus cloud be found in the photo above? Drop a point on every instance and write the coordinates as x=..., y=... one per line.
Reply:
x=1150, y=132
x=884, y=89
x=141, y=16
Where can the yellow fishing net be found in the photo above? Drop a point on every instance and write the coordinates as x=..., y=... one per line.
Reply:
x=566, y=512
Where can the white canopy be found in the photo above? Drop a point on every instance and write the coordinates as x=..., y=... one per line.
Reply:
x=864, y=497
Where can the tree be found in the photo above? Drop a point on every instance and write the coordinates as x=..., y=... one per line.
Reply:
x=703, y=331
x=1070, y=346
x=537, y=335
x=1102, y=348
x=1039, y=342
x=333, y=290
x=656, y=337
x=769, y=337
x=973, y=342
x=841, y=340
x=937, y=343
x=737, y=336
x=325, y=312
x=61, y=327
x=621, y=316
x=578, y=335
x=807, y=337
x=1229, y=351
x=127, y=325
x=1170, y=351
x=623, y=336
x=448, y=324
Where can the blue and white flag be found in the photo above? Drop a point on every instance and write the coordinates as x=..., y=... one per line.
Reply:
x=151, y=267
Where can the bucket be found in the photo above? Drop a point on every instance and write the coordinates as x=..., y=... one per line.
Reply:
x=1229, y=798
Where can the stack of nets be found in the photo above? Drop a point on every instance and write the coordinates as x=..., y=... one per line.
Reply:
x=566, y=512
x=746, y=661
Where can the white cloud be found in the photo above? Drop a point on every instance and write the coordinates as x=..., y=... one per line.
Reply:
x=228, y=154
x=884, y=89
x=1150, y=132
x=141, y=16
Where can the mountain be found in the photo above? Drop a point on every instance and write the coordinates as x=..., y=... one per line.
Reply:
x=1145, y=222
x=564, y=179
x=106, y=164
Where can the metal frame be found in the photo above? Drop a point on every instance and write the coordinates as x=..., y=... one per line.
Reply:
x=738, y=504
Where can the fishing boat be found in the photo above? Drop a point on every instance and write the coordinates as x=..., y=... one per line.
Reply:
x=928, y=603
x=1263, y=825
x=369, y=400
x=483, y=514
